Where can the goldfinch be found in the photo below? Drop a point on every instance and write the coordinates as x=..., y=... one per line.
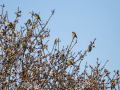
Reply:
x=112, y=84
x=74, y=35
x=29, y=21
x=70, y=63
x=37, y=17
x=10, y=25
x=62, y=56
x=89, y=48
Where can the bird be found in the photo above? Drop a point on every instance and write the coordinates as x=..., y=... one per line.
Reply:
x=62, y=56
x=112, y=84
x=89, y=48
x=29, y=21
x=10, y=25
x=70, y=63
x=74, y=35
x=37, y=17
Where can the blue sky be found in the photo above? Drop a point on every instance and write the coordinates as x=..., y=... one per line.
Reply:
x=90, y=19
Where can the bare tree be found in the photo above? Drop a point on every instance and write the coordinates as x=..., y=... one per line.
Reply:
x=27, y=64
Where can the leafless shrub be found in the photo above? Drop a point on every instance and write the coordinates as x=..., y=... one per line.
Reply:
x=27, y=64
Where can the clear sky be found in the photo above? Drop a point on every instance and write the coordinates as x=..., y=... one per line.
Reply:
x=90, y=19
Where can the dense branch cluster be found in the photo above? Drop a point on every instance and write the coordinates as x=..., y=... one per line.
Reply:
x=27, y=64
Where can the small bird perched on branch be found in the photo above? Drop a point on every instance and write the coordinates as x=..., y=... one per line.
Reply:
x=70, y=63
x=29, y=21
x=37, y=16
x=74, y=35
x=89, y=48
x=112, y=84
x=10, y=25
x=62, y=56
